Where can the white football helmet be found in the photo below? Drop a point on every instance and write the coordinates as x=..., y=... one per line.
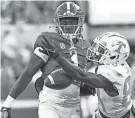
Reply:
x=109, y=48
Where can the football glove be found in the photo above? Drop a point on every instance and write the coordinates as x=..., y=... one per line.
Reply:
x=5, y=112
x=49, y=50
x=87, y=90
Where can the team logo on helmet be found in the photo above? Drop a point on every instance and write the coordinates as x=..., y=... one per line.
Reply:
x=120, y=45
x=62, y=46
x=109, y=48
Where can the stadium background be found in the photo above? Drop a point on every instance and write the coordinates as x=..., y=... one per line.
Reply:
x=23, y=21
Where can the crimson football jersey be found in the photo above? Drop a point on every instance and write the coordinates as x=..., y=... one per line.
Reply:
x=63, y=46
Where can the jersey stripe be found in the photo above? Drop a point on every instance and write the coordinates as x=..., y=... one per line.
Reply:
x=51, y=79
x=40, y=54
x=68, y=7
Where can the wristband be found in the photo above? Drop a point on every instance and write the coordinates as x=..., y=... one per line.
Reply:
x=8, y=102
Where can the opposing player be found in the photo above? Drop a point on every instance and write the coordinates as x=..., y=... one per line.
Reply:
x=59, y=97
x=112, y=74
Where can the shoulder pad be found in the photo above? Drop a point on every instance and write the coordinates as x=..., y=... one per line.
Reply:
x=49, y=36
x=104, y=69
x=52, y=36
x=84, y=44
x=110, y=72
x=39, y=39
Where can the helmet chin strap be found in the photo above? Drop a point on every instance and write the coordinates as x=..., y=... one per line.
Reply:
x=71, y=40
x=69, y=36
x=74, y=34
x=72, y=49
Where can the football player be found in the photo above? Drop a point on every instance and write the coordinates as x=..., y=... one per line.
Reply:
x=111, y=77
x=60, y=95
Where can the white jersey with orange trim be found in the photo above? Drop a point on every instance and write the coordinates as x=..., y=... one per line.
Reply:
x=119, y=75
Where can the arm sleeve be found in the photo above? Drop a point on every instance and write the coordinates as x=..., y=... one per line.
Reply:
x=40, y=54
x=37, y=46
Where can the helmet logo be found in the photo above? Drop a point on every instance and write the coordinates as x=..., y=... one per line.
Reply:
x=62, y=46
x=121, y=44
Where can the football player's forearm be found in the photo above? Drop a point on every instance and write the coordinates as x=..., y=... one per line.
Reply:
x=20, y=85
x=97, y=81
x=17, y=89
x=72, y=70
x=82, y=76
x=35, y=63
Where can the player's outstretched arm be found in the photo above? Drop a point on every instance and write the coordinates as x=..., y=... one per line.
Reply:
x=33, y=66
x=79, y=74
x=95, y=80
x=75, y=72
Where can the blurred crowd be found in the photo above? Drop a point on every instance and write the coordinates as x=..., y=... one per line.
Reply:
x=16, y=18
x=28, y=11
x=13, y=60
x=14, y=55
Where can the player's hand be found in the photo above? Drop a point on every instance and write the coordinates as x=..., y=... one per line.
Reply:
x=5, y=112
x=50, y=50
x=86, y=90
